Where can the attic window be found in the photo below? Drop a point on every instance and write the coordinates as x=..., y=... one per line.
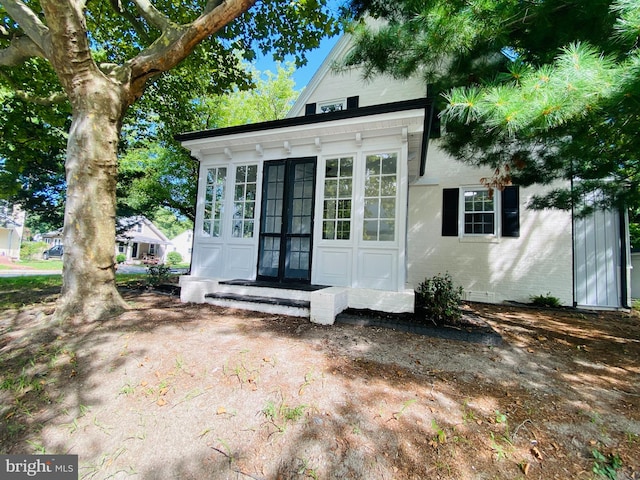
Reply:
x=332, y=106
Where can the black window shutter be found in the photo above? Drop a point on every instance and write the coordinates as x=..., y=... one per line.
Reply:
x=310, y=109
x=353, y=102
x=450, y=212
x=511, y=211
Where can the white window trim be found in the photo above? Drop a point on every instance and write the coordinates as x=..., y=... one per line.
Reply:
x=479, y=237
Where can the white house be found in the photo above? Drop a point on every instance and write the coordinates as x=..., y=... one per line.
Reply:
x=11, y=228
x=348, y=202
x=140, y=241
x=183, y=244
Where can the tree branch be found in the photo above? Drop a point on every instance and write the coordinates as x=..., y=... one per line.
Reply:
x=20, y=49
x=137, y=25
x=29, y=22
x=152, y=15
x=178, y=41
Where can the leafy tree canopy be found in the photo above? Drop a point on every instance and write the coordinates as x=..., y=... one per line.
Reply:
x=98, y=60
x=539, y=91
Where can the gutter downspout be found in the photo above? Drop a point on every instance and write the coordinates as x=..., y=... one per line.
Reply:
x=624, y=259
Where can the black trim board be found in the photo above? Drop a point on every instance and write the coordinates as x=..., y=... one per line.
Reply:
x=424, y=103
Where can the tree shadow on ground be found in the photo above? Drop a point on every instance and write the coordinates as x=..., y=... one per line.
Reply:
x=172, y=390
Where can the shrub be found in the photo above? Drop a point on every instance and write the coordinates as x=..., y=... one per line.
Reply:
x=32, y=250
x=174, y=258
x=439, y=299
x=120, y=258
x=545, y=300
x=158, y=274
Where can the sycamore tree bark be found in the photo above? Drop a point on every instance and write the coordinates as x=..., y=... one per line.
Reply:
x=99, y=95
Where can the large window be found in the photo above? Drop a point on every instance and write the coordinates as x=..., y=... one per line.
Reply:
x=479, y=212
x=214, y=202
x=381, y=184
x=338, y=188
x=244, y=201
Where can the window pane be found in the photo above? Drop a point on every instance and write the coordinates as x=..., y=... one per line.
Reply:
x=373, y=165
x=372, y=208
x=328, y=230
x=372, y=187
x=380, y=197
x=214, y=201
x=389, y=165
x=346, y=167
x=345, y=188
x=338, y=191
x=331, y=170
x=330, y=188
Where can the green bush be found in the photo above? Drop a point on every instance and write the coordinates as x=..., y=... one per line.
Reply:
x=174, y=258
x=439, y=300
x=32, y=250
x=120, y=258
x=158, y=274
x=547, y=300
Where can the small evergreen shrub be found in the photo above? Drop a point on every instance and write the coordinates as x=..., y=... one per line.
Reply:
x=158, y=274
x=439, y=299
x=120, y=258
x=174, y=258
x=547, y=300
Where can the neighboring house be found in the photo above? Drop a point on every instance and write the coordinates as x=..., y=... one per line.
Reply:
x=11, y=229
x=183, y=244
x=140, y=241
x=53, y=238
x=352, y=192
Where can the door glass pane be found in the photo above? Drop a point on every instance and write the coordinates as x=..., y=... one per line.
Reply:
x=380, y=197
x=338, y=190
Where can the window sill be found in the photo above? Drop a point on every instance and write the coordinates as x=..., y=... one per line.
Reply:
x=479, y=239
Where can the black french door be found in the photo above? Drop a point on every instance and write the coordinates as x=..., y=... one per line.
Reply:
x=286, y=225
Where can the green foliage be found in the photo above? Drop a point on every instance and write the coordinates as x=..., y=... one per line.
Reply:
x=547, y=300
x=608, y=466
x=174, y=258
x=32, y=250
x=440, y=299
x=158, y=274
x=634, y=234
x=35, y=115
x=120, y=258
x=156, y=174
x=543, y=93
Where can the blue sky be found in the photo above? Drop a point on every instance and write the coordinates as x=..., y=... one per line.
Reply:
x=303, y=74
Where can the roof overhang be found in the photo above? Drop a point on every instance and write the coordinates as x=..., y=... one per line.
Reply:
x=406, y=117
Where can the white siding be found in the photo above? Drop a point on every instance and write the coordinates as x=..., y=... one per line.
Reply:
x=597, y=263
x=328, y=84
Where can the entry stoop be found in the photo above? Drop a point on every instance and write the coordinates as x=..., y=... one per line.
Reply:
x=320, y=304
x=262, y=298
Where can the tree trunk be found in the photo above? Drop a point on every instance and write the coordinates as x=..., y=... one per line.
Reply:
x=89, y=292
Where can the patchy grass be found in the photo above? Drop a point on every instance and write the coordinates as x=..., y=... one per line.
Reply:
x=35, y=264
x=20, y=292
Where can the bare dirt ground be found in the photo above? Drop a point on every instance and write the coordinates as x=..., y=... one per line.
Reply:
x=182, y=391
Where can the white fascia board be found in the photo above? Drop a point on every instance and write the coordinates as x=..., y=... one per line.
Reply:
x=332, y=131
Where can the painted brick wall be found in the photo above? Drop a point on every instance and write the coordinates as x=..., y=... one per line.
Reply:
x=537, y=262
